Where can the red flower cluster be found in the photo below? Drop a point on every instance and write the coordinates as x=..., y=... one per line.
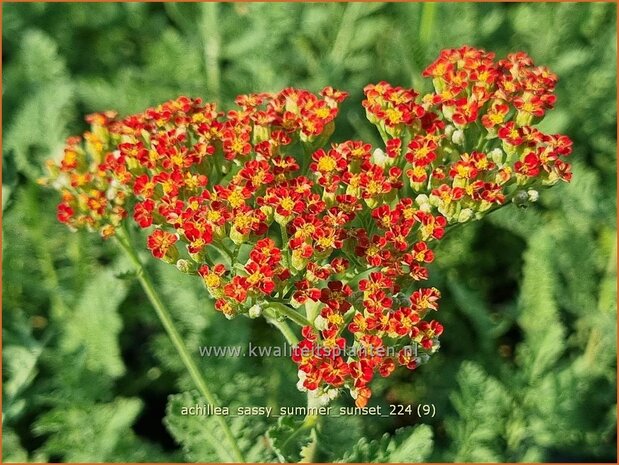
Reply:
x=255, y=203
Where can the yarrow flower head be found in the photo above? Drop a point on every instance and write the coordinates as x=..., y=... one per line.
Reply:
x=336, y=236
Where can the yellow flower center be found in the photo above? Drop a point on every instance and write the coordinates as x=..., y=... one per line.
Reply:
x=374, y=187
x=287, y=203
x=213, y=215
x=323, y=112
x=254, y=278
x=305, y=231
x=419, y=171
x=257, y=178
x=177, y=159
x=394, y=115
x=236, y=199
x=243, y=221
x=423, y=151
x=199, y=242
x=168, y=186
x=325, y=242
x=463, y=171
x=237, y=146
x=496, y=118
x=327, y=164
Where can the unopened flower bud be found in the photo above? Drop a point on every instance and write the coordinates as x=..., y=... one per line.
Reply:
x=230, y=315
x=465, y=215
x=458, y=137
x=184, y=266
x=255, y=311
x=524, y=118
x=424, y=203
x=300, y=386
x=497, y=156
x=380, y=158
x=422, y=359
x=521, y=199
x=298, y=262
x=320, y=323
x=261, y=133
x=533, y=195
x=400, y=300
x=322, y=397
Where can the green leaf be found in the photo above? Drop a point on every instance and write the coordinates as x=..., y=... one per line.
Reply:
x=202, y=439
x=9, y=179
x=95, y=324
x=412, y=444
x=19, y=365
x=40, y=61
x=366, y=451
x=539, y=318
x=288, y=438
x=338, y=434
x=20, y=356
x=88, y=432
x=127, y=275
x=37, y=127
x=12, y=450
x=416, y=446
x=48, y=111
x=197, y=435
x=481, y=399
x=475, y=309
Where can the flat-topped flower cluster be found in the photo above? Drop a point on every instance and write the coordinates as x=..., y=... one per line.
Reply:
x=335, y=236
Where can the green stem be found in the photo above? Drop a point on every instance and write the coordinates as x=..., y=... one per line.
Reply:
x=284, y=232
x=356, y=278
x=223, y=251
x=426, y=27
x=271, y=317
x=307, y=157
x=289, y=313
x=310, y=451
x=175, y=337
x=348, y=316
x=212, y=41
x=346, y=31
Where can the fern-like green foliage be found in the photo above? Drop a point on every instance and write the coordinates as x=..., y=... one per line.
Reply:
x=96, y=309
x=288, y=439
x=48, y=107
x=202, y=439
x=407, y=445
x=544, y=399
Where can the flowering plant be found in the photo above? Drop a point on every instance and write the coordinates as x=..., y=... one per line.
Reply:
x=334, y=238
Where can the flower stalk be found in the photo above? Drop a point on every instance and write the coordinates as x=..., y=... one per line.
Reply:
x=310, y=452
x=166, y=320
x=271, y=316
x=290, y=313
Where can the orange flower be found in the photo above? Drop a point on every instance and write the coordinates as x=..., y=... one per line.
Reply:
x=161, y=242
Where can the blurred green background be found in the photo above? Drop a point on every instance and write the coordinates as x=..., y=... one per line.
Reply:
x=527, y=368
